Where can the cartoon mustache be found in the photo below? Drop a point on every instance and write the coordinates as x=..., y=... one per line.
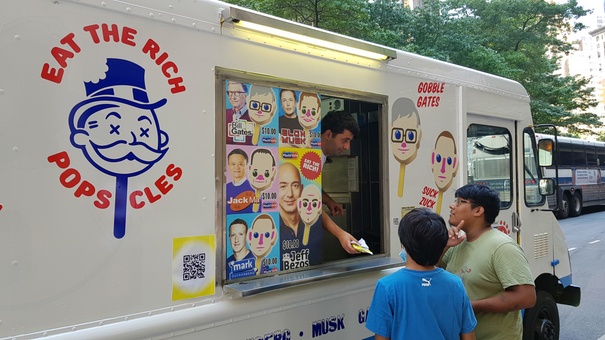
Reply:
x=119, y=151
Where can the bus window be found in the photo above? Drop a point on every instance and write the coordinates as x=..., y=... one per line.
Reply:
x=579, y=157
x=600, y=157
x=489, y=159
x=591, y=156
x=565, y=154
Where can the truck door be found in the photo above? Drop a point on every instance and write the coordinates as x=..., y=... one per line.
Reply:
x=490, y=161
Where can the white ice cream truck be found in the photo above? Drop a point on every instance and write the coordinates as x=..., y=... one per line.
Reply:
x=119, y=196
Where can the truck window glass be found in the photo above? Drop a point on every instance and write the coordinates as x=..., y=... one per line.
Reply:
x=489, y=159
x=531, y=170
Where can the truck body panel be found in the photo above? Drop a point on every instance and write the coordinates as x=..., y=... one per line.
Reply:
x=93, y=238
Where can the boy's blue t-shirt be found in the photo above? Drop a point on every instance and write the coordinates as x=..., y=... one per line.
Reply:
x=410, y=304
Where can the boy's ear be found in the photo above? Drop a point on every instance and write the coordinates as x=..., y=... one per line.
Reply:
x=479, y=211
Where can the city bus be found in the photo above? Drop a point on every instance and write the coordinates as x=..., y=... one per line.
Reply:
x=577, y=170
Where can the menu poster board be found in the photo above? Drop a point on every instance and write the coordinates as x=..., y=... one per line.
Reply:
x=273, y=191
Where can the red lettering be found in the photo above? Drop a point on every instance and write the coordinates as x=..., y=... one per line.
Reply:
x=159, y=60
x=52, y=74
x=61, y=159
x=150, y=196
x=133, y=199
x=174, y=171
x=69, y=40
x=428, y=101
x=92, y=30
x=128, y=36
x=163, y=185
x=167, y=66
x=61, y=55
x=109, y=33
x=85, y=188
x=176, y=85
x=70, y=178
x=103, y=199
x=153, y=49
x=432, y=87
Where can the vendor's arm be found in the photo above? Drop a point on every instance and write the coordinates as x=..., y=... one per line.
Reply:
x=335, y=207
x=513, y=298
x=343, y=237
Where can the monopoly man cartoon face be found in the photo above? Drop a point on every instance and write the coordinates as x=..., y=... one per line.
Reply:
x=116, y=127
x=309, y=204
x=309, y=110
x=261, y=170
x=262, y=104
x=405, y=131
x=262, y=236
x=444, y=161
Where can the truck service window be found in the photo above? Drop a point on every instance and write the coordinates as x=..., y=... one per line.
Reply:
x=276, y=171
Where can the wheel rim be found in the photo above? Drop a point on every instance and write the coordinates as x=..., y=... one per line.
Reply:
x=545, y=329
x=577, y=203
x=565, y=207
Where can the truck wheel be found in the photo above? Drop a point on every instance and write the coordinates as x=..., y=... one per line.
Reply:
x=541, y=322
x=575, y=205
x=564, y=208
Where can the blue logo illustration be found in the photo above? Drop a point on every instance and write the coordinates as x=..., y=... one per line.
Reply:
x=117, y=129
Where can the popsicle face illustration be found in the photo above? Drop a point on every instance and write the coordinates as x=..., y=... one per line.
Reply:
x=309, y=110
x=405, y=136
x=444, y=161
x=262, y=236
x=309, y=204
x=261, y=170
x=261, y=106
x=405, y=132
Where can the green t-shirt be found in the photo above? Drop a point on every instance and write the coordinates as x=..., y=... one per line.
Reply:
x=487, y=266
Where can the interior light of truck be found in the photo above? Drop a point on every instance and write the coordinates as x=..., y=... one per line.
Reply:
x=301, y=33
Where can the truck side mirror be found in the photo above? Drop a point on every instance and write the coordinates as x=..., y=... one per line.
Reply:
x=547, y=186
x=545, y=148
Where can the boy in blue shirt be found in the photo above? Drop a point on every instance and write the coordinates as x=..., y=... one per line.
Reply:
x=421, y=301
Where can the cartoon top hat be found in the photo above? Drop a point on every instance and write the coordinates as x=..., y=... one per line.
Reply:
x=124, y=83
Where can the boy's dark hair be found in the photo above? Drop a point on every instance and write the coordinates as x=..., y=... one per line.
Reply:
x=423, y=234
x=338, y=121
x=484, y=196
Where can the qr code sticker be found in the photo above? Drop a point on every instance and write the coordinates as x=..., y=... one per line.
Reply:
x=194, y=266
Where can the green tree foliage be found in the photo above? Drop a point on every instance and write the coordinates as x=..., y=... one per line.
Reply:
x=516, y=39
x=348, y=17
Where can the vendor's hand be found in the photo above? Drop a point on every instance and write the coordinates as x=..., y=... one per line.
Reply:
x=345, y=241
x=455, y=237
x=335, y=208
